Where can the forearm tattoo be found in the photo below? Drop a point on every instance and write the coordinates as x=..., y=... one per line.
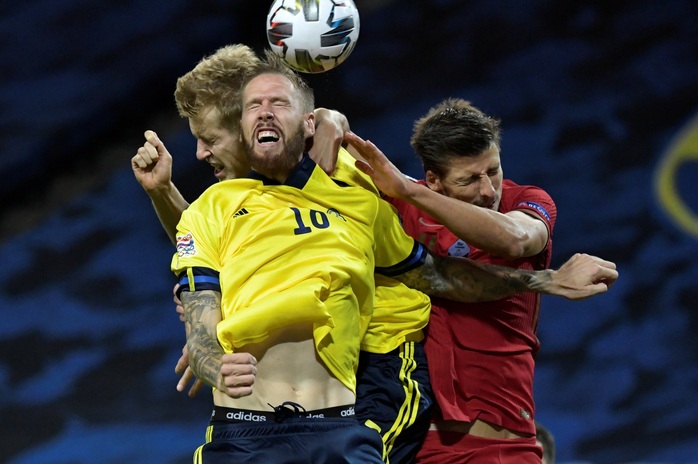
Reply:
x=201, y=314
x=466, y=280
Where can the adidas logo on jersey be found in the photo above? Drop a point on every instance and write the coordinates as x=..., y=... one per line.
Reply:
x=242, y=212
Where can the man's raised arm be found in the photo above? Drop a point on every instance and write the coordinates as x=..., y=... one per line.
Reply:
x=152, y=167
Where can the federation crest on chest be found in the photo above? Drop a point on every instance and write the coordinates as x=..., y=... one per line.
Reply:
x=459, y=248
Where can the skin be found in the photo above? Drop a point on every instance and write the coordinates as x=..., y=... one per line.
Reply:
x=581, y=277
x=274, y=131
x=220, y=147
x=287, y=366
x=477, y=181
x=465, y=198
x=274, y=128
x=270, y=122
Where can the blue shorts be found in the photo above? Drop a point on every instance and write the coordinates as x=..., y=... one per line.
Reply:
x=315, y=437
x=394, y=396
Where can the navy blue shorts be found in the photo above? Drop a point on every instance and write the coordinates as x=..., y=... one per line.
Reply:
x=250, y=437
x=393, y=395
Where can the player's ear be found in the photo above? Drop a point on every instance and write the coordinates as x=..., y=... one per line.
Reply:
x=309, y=124
x=433, y=180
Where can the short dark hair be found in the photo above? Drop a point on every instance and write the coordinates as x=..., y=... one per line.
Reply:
x=546, y=438
x=453, y=128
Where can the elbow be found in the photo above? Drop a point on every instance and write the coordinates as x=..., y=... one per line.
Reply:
x=514, y=246
x=513, y=251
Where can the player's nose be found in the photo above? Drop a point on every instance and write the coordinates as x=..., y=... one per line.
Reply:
x=486, y=187
x=202, y=150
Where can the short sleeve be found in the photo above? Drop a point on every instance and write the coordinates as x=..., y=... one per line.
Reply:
x=395, y=251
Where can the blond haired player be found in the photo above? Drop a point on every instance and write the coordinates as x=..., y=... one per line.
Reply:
x=249, y=378
x=393, y=384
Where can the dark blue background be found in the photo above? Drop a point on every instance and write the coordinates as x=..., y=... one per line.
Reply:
x=594, y=97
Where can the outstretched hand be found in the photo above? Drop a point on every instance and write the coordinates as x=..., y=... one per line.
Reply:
x=152, y=163
x=583, y=276
x=387, y=177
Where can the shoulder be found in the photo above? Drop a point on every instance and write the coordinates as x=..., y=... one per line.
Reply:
x=527, y=198
x=513, y=192
x=512, y=187
x=221, y=195
x=347, y=172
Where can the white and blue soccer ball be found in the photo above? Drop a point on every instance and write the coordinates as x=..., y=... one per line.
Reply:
x=313, y=36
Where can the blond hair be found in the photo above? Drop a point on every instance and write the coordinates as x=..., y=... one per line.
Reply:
x=215, y=82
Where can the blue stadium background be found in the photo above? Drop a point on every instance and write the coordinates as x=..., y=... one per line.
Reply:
x=598, y=100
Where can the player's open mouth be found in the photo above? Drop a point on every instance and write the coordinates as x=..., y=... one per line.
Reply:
x=267, y=136
x=218, y=170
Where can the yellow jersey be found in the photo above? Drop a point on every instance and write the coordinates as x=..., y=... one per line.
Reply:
x=400, y=313
x=301, y=252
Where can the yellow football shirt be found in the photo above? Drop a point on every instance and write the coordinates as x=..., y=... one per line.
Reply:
x=400, y=313
x=304, y=251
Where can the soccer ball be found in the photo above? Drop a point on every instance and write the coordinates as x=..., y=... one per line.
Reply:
x=313, y=36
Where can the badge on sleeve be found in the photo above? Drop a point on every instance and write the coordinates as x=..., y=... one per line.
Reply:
x=185, y=245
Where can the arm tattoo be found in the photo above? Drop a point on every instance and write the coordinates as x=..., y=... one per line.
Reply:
x=202, y=312
x=469, y=281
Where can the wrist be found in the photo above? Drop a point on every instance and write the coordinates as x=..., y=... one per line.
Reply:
x=414, y=193
x=546, y=282
x=160, y=190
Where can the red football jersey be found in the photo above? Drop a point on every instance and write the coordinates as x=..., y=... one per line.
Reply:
x=481, y=355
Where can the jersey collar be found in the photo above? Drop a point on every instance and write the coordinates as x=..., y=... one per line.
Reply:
x=298, y=177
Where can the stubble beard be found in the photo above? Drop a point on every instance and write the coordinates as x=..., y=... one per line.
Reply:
x=281, y=164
